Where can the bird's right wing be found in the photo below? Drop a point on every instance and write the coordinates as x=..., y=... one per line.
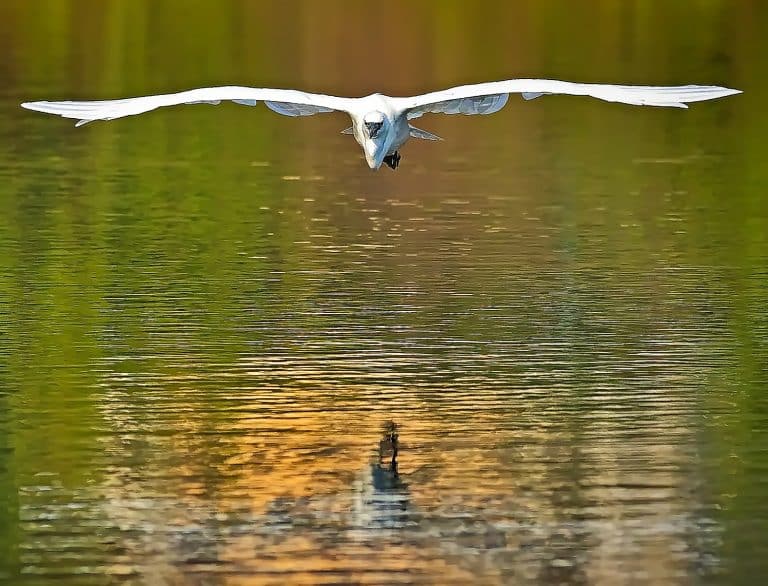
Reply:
x=487, y=98
x=286, y=102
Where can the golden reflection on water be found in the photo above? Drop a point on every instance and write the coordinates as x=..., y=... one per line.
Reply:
x=280, y=479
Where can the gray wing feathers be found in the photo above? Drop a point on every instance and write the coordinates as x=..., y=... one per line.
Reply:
x=284, y=108
x=293, y=109
x=466, y=105
x=287, y=102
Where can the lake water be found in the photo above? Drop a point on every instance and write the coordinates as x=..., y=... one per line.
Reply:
x=208, y=316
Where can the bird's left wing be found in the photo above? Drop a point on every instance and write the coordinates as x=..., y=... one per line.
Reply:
x=287, y=102
x=487, y=98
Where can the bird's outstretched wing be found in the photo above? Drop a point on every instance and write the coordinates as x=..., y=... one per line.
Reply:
x=287, y=102
x=487, y=98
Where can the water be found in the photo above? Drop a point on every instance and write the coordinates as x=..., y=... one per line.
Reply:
x=209, y=315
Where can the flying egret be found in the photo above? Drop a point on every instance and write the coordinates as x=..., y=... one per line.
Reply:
x=380, y=124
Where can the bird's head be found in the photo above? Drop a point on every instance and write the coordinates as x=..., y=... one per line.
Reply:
x=373, y=123
x=375, y=137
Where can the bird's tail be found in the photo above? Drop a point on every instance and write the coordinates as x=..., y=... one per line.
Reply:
x=419, y=133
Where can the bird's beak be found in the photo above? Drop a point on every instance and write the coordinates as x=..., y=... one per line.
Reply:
x=374, y=153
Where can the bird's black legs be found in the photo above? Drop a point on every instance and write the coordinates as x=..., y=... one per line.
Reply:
x=393, y=160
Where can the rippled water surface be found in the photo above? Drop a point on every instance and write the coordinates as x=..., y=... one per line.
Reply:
x=209, y=316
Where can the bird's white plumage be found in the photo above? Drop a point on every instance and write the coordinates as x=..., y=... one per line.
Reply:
x=471, y=99
x=287, y=102
x=481, y=98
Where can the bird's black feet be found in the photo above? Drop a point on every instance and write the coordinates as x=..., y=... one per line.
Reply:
x=393, y=160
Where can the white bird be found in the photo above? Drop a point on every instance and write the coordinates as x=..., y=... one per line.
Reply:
x=380, y=124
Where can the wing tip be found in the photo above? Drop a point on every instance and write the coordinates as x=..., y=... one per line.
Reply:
x=714, y=92
x=44, y=107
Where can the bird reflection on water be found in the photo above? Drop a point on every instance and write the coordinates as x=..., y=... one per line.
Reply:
x=388, y=447
x=381, y=496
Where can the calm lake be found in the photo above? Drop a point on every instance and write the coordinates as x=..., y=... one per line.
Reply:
x=209, y=315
